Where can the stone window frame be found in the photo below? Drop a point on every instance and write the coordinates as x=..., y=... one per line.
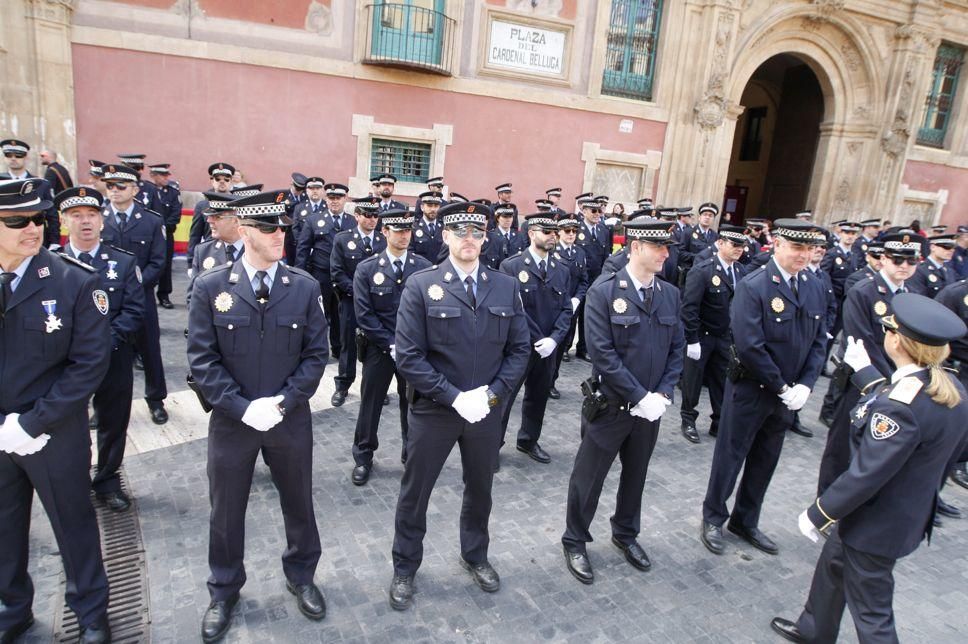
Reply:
x=650, y=163
x=365, y=129
x=938, y=200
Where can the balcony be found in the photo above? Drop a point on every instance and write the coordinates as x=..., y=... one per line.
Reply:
x=409, y=37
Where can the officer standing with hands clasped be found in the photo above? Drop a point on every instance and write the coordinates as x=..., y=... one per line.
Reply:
x=377, y=286
x=55, y=341
x=635, y=343
x=462, y=344
x=777, y=322
x=905, y=436
x=257, y=350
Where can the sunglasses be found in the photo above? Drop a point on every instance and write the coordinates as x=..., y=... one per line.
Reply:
x=14, y=155
x=117, y=186
x=20, y=221
x=221, y=178
x=898, y=260
x=268, y=229
x=569, y=230
x=461, y=233
x=369, y=215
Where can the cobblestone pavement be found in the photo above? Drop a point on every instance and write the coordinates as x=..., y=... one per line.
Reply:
x=689, y=595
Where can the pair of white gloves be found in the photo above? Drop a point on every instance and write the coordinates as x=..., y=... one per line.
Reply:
x=472, y=405
x=694, y=351
x=651, y=407
x=856, y=355
x=263, y=414
x=545, y=347
x=14, y=440
x=795, y=397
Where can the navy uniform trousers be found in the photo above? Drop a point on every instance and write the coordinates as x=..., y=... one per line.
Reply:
x=710, y=369
x=378, y=370
x=112, y=404
x=330, y=307
x=538, y=378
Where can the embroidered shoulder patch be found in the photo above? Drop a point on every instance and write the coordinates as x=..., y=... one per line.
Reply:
x=883, y=427
x=906, y=389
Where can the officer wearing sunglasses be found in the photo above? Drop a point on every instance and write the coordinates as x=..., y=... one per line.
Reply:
x=55, y=342
x=933, y=274
x=15, y=155
x=257, y=350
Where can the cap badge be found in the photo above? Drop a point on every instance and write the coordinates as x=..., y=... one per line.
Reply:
x=436, y=292
x=619, y=305
x=470, y=208
x=523, y=277
x=716, y=280
x=378, y=278
x=880, y=308
x=777, y=305
x=223, y=302
x=82, y=192
x=883, y=427
x=100, y=301
x=905, y=239
x=351, y=245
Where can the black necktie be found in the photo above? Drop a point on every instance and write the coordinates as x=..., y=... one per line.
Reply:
x=543, y=269
x=123, y=218
x=86, y=258
x=262, y=290
x=729, y=277
x=337, y=223
x=6, y=290
x=367, y=246
x=591, y=232
x=793, y=284
x=230, y=253
x=398, y=270
x=470, y=291
x=646, y=297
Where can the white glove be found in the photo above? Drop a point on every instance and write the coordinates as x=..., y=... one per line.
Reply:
x=856, y=355
x=798, y=397
x=786, y=396
x=472, y=405
x=393, y=352
x=830, y=337
x=574, y=304
x=545, y=347
x=263, y=414
x=694, y=351
x=651, y=407
x=807, y=528
x=13, y=438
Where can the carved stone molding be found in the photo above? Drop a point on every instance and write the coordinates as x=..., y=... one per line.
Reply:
x=57, y=11
x=922, y=40
x=319, y=19
x=823, y=10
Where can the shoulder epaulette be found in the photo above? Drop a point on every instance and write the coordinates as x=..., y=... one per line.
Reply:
x=906, y=389
x=77, y=262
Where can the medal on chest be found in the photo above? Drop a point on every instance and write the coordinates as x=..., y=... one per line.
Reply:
x=112, y=273
x=53, y=323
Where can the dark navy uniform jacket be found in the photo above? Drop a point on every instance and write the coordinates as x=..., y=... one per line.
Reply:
x=498, y=248
x=928, y=279
x=830, y=317
x=706, y=297
x=392, y=205
x=444, y=346
x=693, y=242
x=839, y=266
x=210, y=254
x=144, y=235
x=597, y=250
x=51, y=215
x=955, y=297
x=670, y=267
x=634, y=351
x=959, y=262
x=168, y=200
x=119, y=277
x=346, y=256
x=574, y=259
x=866, y=304
x=314, y=245
x=859, y=247
x=148, y=195
x=240, y=350
x=199, y=231
x=376, y=295
x=425, y=243
x=902, y=446
x=48, y=376
x=865, y=273
x=547, y=302
x=780, y=337
x=750, y=250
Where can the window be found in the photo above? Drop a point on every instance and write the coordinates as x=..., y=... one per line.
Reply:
x=630, y=48
x=941, y=96
x=410, y=33
x=753, y=137
x=404, y=160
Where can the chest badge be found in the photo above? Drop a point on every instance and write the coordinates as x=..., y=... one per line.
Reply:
x=619, y=305
x=838, y=261
x=581, y=236
x=523, y=277
x=320, y=223
x=932, y=278
x=351, y=245
x=419, y=233
x=436, y=292
x=208, y=263
x=965, y=300
x=880, y=308
x=378, y=278
x=695, y=235
x=223, y=302
x=716, y=280
x=883, y=427
x=777, y=305
x=53, y=322
x=112, y=273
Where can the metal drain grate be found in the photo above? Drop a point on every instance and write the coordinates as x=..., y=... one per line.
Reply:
x=124, y=561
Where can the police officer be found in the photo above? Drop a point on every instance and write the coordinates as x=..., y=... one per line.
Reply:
x=119, y=277
x=55, y=341
x=147, y=192
x=955, y=297
x=777, y=322
x=932, y=275
x=386, y=185
x=554, y=196
x=872, y=264
x=15, y=155
x=700, y=237
x=462, y=345
x=377, y=286
x=636, y=343
x=959, y=257
x=869, y=229
x=220, y=174
x=225, y=245
x=130, y=226
x=596, y=240
x=904, y=436
x=709, y=290
x=503, y=241
x=257, y=350
x=427, y=239
x=839, y=263
x=546, y=294
x=505, y=191
x=314, y=248
x=169, y=207
x=572, y=256
x=351, y=247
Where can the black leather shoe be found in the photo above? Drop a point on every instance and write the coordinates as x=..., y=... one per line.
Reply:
x=339, y=397
x=11, y=634
x=960, y=476
x=484, y=575
x=158, y=415
x=948, y=510
x=755, y=538
x=361, y=474
x=714, y=431
x=634, y=554
x=800, y=430
x=826, y=420
x=536, y=453
x=116, y=501
x=690, y=433
x=711, y=537
x=334, y=353
x=582, y=356
x=579, y=566
x=97, y=633
x=936, y=520
x=309, y=600
x=565, y=357
x=554, y=394
x=386, y=400
x=787, y=630
x=401, y=592
x=217, y=619
x=165, y=303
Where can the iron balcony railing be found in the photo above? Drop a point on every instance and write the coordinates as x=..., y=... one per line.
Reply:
x=409, y=37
